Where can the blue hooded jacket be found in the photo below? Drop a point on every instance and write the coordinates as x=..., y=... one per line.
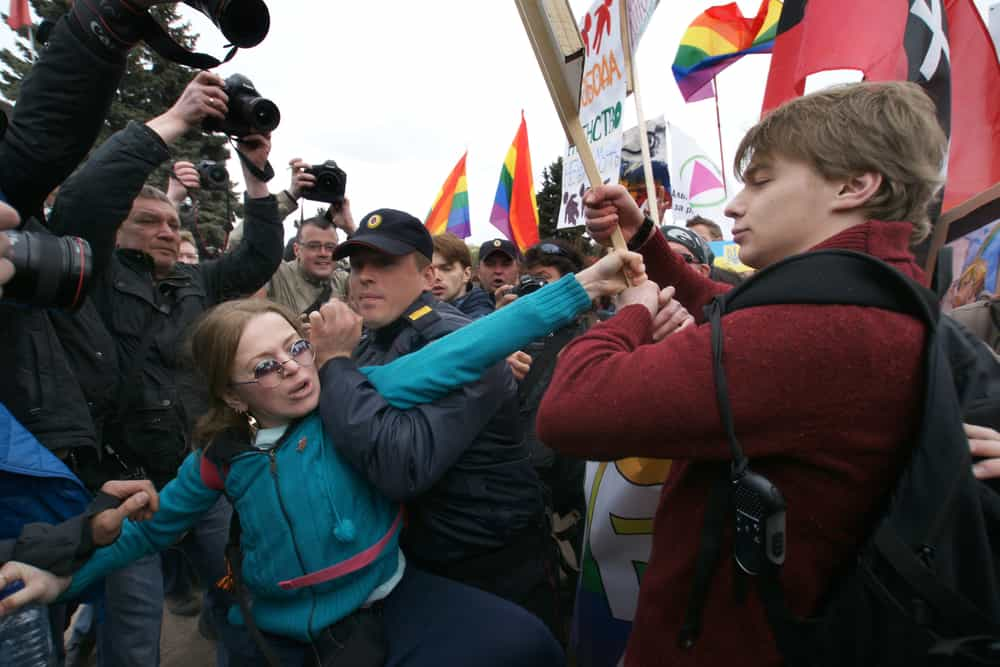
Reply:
x=35, y=486
x=302, y=508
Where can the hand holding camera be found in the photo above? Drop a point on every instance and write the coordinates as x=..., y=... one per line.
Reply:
x=255, y=148
x=203, y=100
x=329, y=183
x=301, y=179
x=245, y=112
x=342, y=218
x=183, y=177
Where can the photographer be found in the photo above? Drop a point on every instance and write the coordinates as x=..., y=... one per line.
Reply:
x=62, y=104
x=314, y=276
x=148, y=300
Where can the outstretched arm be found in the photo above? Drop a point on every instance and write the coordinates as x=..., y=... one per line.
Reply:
x=463, y=355
x=182, y=502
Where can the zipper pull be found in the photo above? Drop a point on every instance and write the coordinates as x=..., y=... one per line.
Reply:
x=274, y=462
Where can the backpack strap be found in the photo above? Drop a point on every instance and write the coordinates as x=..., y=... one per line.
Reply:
x=211, y=475
x=830, y=277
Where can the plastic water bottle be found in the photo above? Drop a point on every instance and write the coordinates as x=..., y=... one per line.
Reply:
x=25, y=635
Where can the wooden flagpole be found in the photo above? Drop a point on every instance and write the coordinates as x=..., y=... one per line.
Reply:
x=558, y=47
x=647, y=162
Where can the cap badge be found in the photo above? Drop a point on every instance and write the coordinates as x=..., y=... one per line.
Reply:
x=374, y=221
x=497, y=243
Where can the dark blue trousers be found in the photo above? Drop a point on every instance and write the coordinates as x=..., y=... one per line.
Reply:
x=428, y=621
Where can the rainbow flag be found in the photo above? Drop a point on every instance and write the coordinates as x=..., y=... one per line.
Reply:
x=716, y=39
x=515, y=210
x=450, y=212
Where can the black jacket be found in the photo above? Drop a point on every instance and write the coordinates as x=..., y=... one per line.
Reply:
x=458, y=463
x=61, y=549
x=60, y=110
x=160, y=397
x=475, y=304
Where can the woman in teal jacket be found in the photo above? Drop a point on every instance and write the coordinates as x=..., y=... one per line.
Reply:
x=318, y=544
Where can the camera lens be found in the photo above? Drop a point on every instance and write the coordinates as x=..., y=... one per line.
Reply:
x=49, y=270
x=265, y=115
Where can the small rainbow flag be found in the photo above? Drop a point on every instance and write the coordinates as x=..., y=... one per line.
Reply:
x=718, y=38
x=515, y=210
x=450, y=211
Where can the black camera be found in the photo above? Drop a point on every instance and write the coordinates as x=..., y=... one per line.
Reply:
x=331, y=183
x=49, y=270
x=243, y=22
x=213, y=175
x=249, y=113
x=528, y=284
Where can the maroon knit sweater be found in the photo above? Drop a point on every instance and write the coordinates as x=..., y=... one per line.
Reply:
x=823, y=400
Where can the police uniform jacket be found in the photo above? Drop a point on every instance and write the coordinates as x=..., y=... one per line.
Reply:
x=458, y=463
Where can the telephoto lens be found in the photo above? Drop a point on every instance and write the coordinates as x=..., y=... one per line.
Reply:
x=49, y=271
x=243, y=22
x=249, y=113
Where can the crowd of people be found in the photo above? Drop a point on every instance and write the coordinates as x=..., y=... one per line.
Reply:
x=368, y=448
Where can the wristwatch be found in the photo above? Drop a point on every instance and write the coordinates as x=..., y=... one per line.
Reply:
x=641, y=235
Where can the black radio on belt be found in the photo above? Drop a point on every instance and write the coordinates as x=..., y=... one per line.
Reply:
x=760, y=523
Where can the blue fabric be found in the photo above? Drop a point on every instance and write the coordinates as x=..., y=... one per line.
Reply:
x=429, y=621
x=129, y=632
x=289, y=522
x=461, y=357
x=35, y=486
x=289, y=517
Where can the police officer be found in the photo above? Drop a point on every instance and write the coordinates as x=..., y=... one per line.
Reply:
x=473, y=499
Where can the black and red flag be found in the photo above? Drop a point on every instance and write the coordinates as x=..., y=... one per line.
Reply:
x=940, y=44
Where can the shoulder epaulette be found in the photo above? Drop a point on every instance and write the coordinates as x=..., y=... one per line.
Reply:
x=423, y=316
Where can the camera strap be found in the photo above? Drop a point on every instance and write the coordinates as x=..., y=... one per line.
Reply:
x=157, y=38
x=265, y=174
x=832, y=277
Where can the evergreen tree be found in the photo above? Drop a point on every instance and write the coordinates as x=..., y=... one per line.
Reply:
x=150, y=86
x=549, y=199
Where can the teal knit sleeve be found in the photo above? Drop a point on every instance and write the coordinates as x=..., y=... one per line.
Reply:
x=182, y=502
x=461, y=357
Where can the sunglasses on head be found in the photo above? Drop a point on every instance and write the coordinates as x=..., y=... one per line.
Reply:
x=553, y=249
x=269, y=373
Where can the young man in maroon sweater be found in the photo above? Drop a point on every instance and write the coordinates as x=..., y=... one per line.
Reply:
x=824, y=398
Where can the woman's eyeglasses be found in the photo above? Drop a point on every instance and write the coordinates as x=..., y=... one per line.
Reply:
x=269, y=373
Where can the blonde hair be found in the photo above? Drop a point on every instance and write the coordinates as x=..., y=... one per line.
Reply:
x=213, y=345
x=187, y=237
x=890, y=128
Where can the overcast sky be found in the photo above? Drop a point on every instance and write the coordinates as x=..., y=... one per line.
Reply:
x=395, y=91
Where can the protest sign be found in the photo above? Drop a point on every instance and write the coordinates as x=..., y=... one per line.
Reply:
x=602, y=98
x=696, y=182
x=633, y=170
